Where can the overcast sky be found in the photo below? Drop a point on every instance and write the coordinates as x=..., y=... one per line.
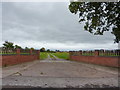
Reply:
x=49, y=25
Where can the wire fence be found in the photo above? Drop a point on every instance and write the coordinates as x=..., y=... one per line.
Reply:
x=24, y=52
x=88, y=53
x=93, y=53
x=109, y=53
x=4, y=51
x=34, y=51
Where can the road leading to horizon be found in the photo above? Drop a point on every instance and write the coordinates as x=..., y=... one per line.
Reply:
x=59, y=73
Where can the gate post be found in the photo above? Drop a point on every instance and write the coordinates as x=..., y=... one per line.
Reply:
x=30, y=51
x=96, y=53
x=18, y=51
x=70, y=54
x=38, y=53
x=80, y=52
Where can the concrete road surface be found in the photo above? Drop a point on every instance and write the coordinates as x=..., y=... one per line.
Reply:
x=59, y=73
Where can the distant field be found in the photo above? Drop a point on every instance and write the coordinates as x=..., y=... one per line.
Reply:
x=7, y=53
x=43, y=55
x=12, y=53
x=51, y=56
x=62, y=55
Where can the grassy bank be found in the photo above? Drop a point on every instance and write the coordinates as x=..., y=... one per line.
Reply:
x=62, y=55
x=43, y=55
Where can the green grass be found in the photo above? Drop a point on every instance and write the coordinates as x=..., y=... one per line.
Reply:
x=62, y=55
x=7, y=53
x=13, y=53
x=51, y=55
x=43, y=55
x=88, y=54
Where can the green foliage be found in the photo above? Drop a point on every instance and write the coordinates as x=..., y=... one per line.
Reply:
x=57, y=50
x=16, y=46
x=48, y=50
x=98, y=16
x=26, y=48
x=32, y=48
x=42, y=49
x=8, y=45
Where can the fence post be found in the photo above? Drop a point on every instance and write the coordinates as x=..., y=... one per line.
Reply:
x=38, y=53
x=70, y=54
x=80, y=52
x=18, y=51
x=96, y=53
x=118, y=52
x=30, y=51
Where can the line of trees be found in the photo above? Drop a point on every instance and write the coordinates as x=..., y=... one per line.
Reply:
x=9, y=46
x=48, y=50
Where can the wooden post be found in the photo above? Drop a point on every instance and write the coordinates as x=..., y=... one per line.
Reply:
x=118, y=52
x=70, y=54
x=18, y=51
x=30, y=51
x=38, y=53
x=96, y=53
x=102, y=52
x=80, y=52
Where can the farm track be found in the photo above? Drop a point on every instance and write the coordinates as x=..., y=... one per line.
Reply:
x=59, y=73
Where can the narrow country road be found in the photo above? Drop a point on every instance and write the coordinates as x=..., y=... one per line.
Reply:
x=59, y=73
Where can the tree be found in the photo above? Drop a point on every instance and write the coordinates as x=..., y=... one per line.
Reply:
x=42, y=49
x=99, y=16
x=26, y=48
x=32, y=48
x=57, y=50
x=48, y=50
x=16, y=47
x=8, y=45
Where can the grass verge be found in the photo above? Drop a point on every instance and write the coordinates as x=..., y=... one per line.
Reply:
x=51, y=56
x=43, y=55
x=62, y=55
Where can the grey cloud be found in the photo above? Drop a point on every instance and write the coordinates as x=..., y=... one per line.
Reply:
x=49, y=22
x=0, y=22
